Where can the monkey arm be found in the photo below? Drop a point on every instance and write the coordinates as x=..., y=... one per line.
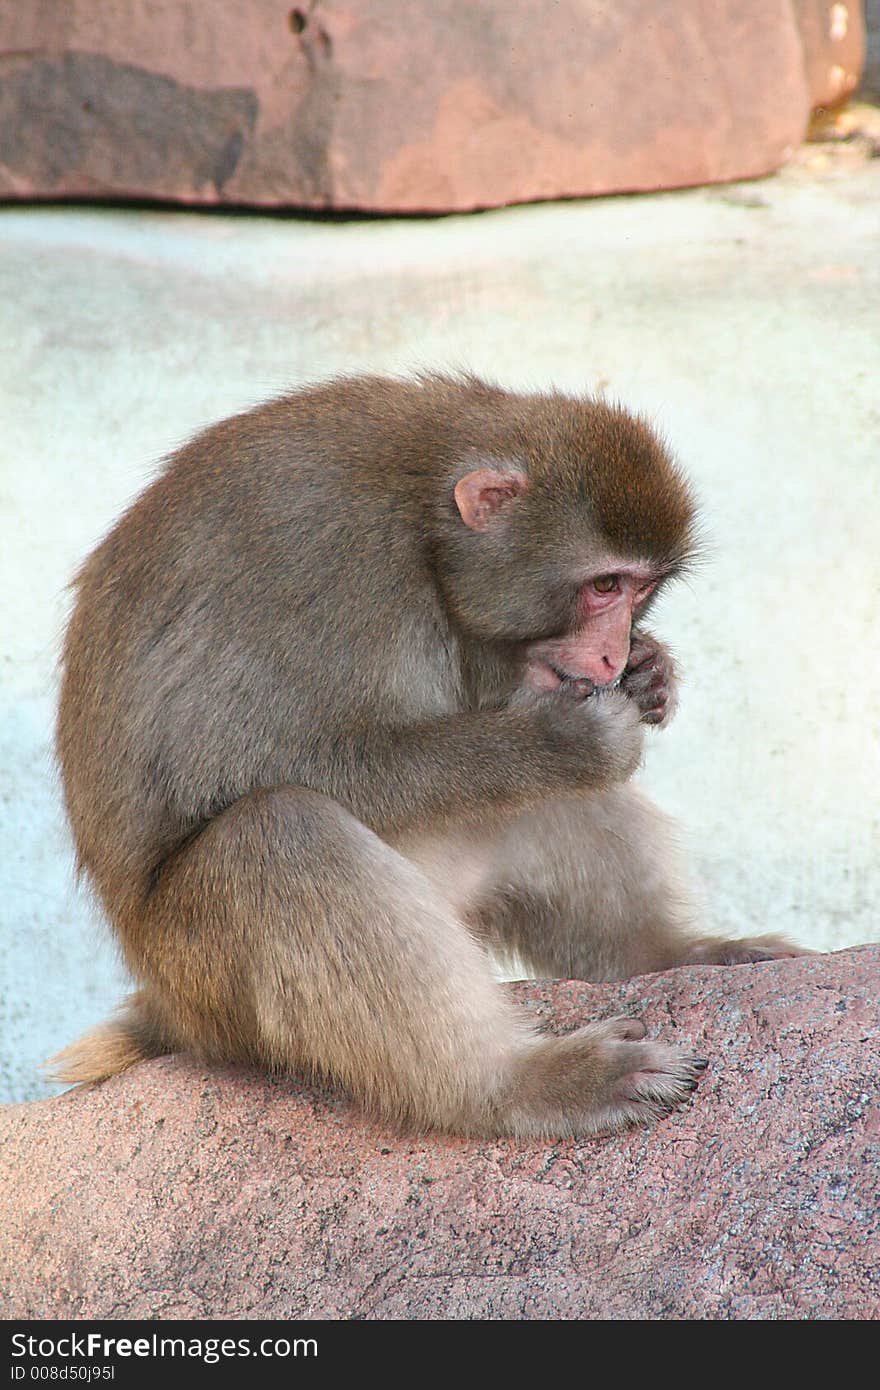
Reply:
x=422, y=773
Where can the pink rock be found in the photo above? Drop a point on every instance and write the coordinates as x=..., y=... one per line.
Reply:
x=176, y=1191
x=833, y=35
x=428, y=105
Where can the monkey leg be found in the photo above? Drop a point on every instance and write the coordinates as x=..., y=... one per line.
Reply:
x=288, y=934
x=588, y=887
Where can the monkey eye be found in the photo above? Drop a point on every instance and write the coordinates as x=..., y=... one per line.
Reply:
x=605, y=583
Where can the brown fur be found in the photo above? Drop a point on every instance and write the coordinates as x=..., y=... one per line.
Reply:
x=310, y=789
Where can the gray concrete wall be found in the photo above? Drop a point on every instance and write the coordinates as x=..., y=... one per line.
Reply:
x=869, y=88
x=742, y=319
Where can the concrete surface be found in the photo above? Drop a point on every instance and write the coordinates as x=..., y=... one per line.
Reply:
x=744, y=319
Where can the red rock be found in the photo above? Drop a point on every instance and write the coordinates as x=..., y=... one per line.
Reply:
x=390, y=106
x=833, y=35
x=175, y=1191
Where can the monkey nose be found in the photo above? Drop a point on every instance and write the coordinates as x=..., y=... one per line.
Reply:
x=612, y=670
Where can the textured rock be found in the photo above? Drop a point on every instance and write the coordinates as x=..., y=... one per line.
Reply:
x=175, y=1191
x=423, y=105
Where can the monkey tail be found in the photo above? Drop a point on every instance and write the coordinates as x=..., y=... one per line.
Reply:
x=131, y=1036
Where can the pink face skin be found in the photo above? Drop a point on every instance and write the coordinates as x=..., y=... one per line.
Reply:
x=596, y=652
x=598, y=649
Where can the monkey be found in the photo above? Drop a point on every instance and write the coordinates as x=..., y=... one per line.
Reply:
x=351, y=699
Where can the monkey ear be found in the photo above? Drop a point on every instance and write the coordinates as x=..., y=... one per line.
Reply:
x=481, y=495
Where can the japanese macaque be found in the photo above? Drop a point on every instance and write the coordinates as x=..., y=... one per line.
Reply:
x=352, y=696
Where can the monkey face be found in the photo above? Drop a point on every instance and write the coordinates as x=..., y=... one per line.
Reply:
x=566, y=545
x=594, y=651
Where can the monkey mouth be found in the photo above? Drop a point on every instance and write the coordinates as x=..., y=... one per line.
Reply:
x=546, y=676
x=586, y=686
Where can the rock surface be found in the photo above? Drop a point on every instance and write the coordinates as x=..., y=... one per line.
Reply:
x=429, y=105
x=833, y=35
x=176, y=1191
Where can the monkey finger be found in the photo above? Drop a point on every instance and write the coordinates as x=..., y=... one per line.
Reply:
x=577, y=688
x=656, y=1079
x=656, y=695
x=639, y=657
x=626, y=1029
x=645, y=678
x=632, y=1029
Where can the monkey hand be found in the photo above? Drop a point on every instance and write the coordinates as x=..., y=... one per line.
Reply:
x=650, y=680
x=594, y=736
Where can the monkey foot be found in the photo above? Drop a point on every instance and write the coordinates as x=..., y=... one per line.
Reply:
x=603, y=1077
x=745, y=952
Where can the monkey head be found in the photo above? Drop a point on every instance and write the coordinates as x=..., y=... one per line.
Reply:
x=559, y=538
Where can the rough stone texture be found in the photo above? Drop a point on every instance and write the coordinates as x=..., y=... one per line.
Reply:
x=175, y=1191
x=407, y=105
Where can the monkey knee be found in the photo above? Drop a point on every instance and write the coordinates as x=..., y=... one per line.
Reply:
x=261, y=832
x=281, y=813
